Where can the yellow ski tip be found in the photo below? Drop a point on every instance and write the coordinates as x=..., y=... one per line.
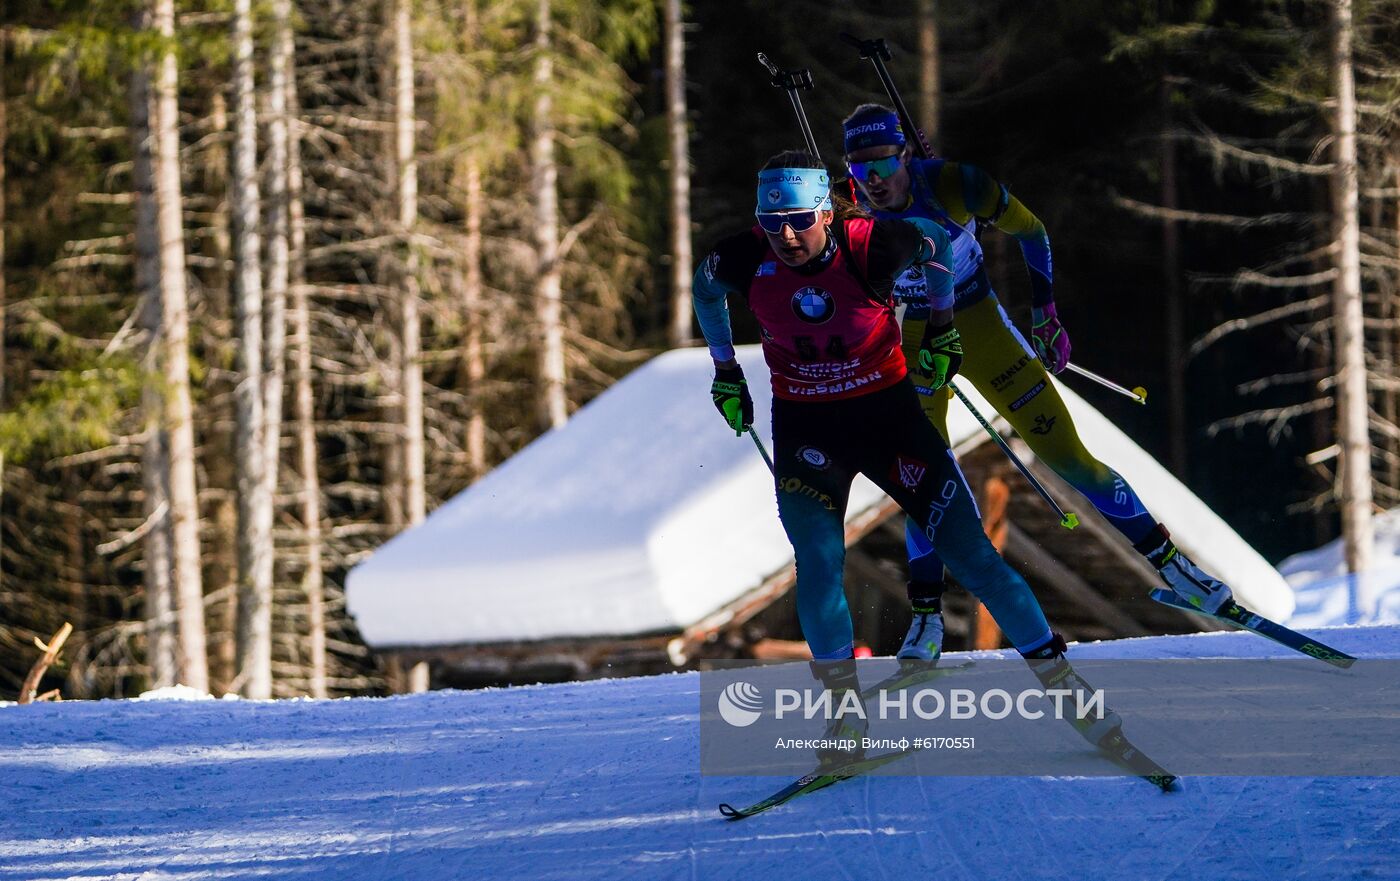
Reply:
x=1142, y=395
x=1070, y=521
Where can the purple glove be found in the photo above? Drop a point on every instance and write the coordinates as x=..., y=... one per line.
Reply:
x=1051, y=339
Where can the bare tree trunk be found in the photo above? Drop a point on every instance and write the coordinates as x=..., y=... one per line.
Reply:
x=313, y=579
x=1175, y=308
x=930, y=89
x=76, y=546
x=1352, y=404
x=411, y=366
x=220, y=463
x=4, y=130
x=678, y=125
x=1385, y=360
x=548, y=280
x=392, y=481
x=1392, y=332
x=276, y=271
x=161, y=642
x=474, y=354
x=179, y=415
x=254, y=502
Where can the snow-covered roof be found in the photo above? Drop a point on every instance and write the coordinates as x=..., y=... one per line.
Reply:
x=644, y=514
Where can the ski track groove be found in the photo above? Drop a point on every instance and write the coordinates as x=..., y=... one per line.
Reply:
x=949, y=847
x=1202, y=856
x=872, y=823
x=921, y=838
x=833, y=853
x=399, y=789
x=1032, y=822
x=690, y=853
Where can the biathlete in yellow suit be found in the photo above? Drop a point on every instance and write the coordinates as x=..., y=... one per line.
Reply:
x=1010, y=374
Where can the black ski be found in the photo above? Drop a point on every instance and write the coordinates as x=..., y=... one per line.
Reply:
x=812, y=782
x=904, y=677
x=1058, y=674
x=1237, y=615
x=1122, y=751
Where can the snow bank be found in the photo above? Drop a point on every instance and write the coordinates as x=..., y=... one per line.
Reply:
x=1327, y=595
x=181, y=693
x=174, y=693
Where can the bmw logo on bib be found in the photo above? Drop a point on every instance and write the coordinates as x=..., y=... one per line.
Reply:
x=813, y=305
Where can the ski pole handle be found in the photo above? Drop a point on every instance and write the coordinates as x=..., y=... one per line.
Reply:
x=1138, y=394
x=1068, y=519
x=791, y=81
x=877, y=52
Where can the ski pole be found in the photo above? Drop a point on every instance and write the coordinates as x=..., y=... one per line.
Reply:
x=791, y=81
x=1138, y=394
x=763, y=451
x=878, y=53
x=1068, y=519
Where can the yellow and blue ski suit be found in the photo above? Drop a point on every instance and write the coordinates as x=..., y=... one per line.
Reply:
x=997, y=359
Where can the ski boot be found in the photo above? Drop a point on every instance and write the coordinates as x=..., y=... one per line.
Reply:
x=1103, y=728
x=924, y=642
x=850, y=729
x=1185, y=578
x=1050, y=666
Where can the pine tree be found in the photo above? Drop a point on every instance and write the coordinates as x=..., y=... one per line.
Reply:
x=255, y=567
x=544, y=173
x=678, y=127
x=1353, y=402
x=406, y=164
x=309, y=490
x=178, y=407
x=930, y=87
x=161, y=637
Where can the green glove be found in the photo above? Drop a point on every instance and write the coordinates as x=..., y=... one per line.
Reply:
x=940, y=357
x=730, y=392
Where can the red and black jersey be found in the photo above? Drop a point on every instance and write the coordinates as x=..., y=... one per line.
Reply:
x=828, y=327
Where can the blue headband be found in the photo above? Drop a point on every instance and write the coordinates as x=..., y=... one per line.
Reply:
x=883, y=130
x=783, y=189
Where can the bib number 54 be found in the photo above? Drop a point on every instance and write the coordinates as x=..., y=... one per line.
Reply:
x=808, y=349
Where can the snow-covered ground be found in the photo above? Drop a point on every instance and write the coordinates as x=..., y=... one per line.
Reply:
x=601, y=780
x=1326, y=595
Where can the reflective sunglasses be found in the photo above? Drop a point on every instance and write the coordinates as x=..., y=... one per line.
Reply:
x=885, y=168
x=800, y=221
